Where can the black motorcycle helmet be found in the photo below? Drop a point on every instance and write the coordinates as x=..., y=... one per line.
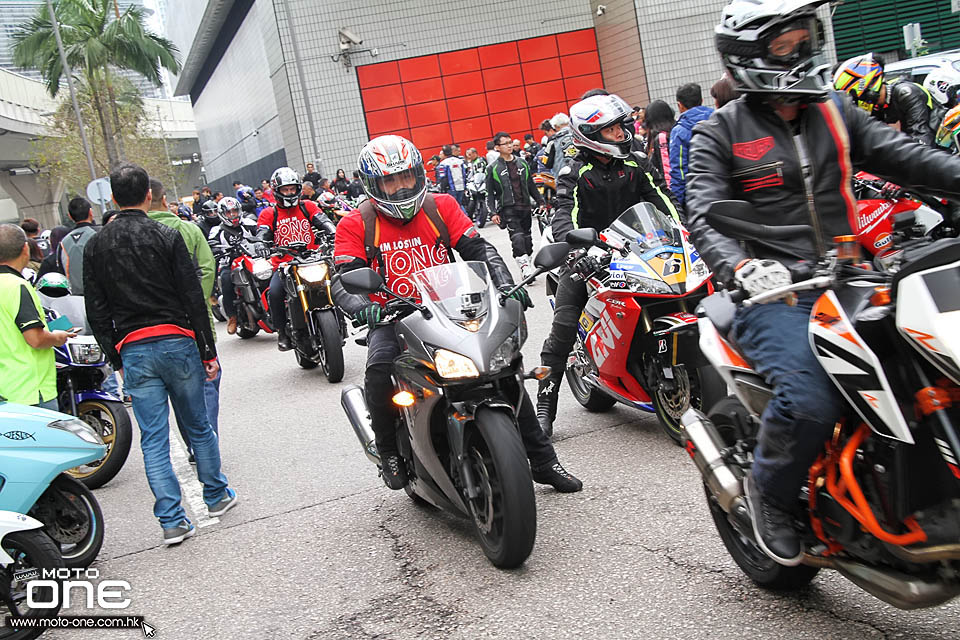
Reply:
x=209, y=210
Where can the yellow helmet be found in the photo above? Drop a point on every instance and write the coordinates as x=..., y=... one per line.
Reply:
x=947, y=133
x=862, y=78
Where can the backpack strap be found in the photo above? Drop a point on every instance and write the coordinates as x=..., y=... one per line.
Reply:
x=436, y=221
x=371, y=237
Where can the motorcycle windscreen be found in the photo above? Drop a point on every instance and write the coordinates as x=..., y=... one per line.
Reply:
x=458, y=289
x=656, y=262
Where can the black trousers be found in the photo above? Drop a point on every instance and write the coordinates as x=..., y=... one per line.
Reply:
x=569, y=302
x=382, y=349
x=518, y=221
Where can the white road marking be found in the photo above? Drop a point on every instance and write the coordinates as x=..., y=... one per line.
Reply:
x=190, y=487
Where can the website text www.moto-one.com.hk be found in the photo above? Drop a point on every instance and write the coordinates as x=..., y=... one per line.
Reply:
x=78, y=622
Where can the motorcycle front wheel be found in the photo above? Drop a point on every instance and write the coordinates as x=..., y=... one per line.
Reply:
x=700, y=389
x=248, y=327
x=726, y=416
x=111, y=420
x=71, y=516
x=331, y=347
x=30, y=550
x=505, y=513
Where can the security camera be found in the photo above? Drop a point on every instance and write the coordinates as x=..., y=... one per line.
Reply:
x=348, y=38
x=601, y=9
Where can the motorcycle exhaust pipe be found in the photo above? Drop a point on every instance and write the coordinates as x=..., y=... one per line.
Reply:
x=355, y=406
x=704, y=445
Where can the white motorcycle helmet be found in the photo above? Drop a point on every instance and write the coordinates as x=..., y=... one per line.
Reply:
x=229, y=211
x=942, y=84
x=385, y=161
x=591, y=115
x=774, y=47
x=282, y=177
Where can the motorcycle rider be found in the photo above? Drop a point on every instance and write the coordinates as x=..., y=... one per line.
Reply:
x=509, y=189
x=902, y=101
x=208, y=217
x=291, y=220
x=560, y=148
x=234, y=228
x=399, y=217
x=787, y=115
x=454, y=176
x=603, y=180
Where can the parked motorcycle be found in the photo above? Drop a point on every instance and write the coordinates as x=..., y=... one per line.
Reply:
x=459, y=380
x=476, y=195
x=25, y=552
x=80, y=375
x=637, y=339
x=314, y=323
x=881, y=503
x=250, y=274
x=37, y=447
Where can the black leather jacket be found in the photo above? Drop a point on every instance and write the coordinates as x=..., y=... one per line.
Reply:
x=919, y=116
x=592, y=194
x=500, y=193
x=745, y=151
x=137, y=273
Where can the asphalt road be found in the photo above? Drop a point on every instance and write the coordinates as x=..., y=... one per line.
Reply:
x=319, y=548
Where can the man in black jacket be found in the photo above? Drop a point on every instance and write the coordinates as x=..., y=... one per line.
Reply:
x=789, y=148
x=146, y=309
x=603, y=180
x=509, y=189
x=901, y=101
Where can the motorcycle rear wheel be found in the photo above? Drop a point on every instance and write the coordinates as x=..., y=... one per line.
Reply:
x=758, y=566
x=112, y=422
x=249, y=327
x=505, y=513
x=71, y=516
x=31, y=549
x=591, y=398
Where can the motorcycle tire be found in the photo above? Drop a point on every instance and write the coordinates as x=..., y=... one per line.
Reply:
x=726, y=416
x=32, y=549
x=331, y=348
x=702, y=389
x=591, y=398
x=304, y=360
x=117, y=436
x=505, y=513
x=248, y=328
x=71, y=516
x=218, y=313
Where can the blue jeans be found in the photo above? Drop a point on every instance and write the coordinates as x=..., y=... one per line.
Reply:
x=211, y=398
x=110, y=384
x=153, y=373
x=805, y=405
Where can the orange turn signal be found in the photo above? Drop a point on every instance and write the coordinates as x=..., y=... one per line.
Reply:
x=539, y=373
x=880, y=297
x=404, y=399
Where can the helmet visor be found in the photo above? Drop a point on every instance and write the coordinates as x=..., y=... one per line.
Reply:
x=397, y=188
x=793, y=42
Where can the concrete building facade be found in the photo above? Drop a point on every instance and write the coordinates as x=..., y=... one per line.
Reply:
x=273, y=82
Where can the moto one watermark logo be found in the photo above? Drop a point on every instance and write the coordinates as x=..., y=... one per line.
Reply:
x=56, y=587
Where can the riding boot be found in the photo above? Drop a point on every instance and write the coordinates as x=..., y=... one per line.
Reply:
x=283, y=340
x=548, y=395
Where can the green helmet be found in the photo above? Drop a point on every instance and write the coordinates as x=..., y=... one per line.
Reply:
x=53, y=284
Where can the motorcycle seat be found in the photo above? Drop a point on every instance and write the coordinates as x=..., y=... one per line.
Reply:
x=720, y=309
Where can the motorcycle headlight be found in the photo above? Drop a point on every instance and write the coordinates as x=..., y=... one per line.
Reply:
x=453, y=365
x=648, y=285
x=79, y=428
x=506, y=352
x=85, y=352
x=313, y=273
x=262, y=269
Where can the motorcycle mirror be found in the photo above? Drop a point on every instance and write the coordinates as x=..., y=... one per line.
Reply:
x=552, y=255
x=361, y=281
x=582, y=238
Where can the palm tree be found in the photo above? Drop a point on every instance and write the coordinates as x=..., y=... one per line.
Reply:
x=96, y=44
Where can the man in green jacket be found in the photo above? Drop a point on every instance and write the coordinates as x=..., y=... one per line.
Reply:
x=28, y=372
x=207, y=272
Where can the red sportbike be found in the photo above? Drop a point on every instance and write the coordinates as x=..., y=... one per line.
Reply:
x=638, y=338
x=250, y=275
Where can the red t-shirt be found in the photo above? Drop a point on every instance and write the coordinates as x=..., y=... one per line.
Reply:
x=406, y=248
x=291, y=226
